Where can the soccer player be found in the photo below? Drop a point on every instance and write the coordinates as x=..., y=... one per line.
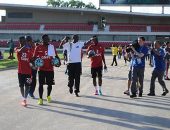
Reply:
x=30, y=43
x=97, y=62
x=46, y=52
x=24, y=70
x=159, y=68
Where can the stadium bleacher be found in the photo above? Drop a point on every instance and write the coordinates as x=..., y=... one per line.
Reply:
x=69, y=26
x=19, y=26
x=127, y=27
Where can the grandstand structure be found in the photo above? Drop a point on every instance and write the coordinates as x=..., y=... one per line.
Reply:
x=121, y=27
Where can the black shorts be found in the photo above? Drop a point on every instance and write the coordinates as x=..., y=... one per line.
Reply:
x=96, y=72
x=24, y=80
x=46, y=77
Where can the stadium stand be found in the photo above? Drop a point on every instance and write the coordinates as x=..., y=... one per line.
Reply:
x=69, y=26
x=19, y=26
x=127, y=28
x=160, y=28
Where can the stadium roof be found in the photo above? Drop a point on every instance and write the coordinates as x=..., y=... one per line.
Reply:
x=96, y=11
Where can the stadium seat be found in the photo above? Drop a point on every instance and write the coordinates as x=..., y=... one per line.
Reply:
x=160, y=28
x=19, y=26
x=69, y=27
x=127, y=28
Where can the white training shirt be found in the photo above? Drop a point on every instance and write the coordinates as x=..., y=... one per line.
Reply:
x=73, y=51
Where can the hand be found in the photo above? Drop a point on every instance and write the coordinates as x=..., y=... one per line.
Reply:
x=105, y=67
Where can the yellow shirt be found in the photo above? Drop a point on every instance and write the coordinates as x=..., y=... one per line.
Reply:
x=114, y=50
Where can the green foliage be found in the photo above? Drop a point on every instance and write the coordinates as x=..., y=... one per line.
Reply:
x=71, y=3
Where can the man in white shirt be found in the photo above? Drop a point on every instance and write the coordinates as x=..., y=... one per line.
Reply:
x=74, y=58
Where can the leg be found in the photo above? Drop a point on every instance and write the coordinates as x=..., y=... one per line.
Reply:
x=71, y=75
x=141, y=77
x=134, y=81
x=49, y=89
x=41, y=75
x=115, y=61
x=77, y=78
x=49, y=75
x=41, y=90
x=152, y=84
x=33, y=84
x=161, y=82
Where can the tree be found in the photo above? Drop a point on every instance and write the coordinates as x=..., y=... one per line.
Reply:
x=71, y=3
x=90, y=6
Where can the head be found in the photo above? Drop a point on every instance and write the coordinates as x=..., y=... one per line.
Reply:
x=45, y=39
x=141, y=41
x=168, y=44
x=29, y=40
x=75, y=38
x=67, y=39
x=157, y=44
x=22, y=41
x=95, y=40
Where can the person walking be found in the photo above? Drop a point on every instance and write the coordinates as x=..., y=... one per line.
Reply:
x=97, y=63
x=159, y=68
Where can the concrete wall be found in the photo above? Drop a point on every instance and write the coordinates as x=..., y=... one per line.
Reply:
x=46, y=16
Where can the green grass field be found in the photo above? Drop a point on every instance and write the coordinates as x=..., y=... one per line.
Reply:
x=8, y=63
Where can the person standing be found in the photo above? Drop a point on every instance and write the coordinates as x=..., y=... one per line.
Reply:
x=74, y=59
x=138, y=67
x=159, y=68
x=24, y=70
x=114, y=53
x=97, y=62
x=167, y=60
x=11, y=49
x=46, y=52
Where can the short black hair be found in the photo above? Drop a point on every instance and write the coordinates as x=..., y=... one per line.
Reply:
x=45, y=35
x=157, y=41
x=22, y=37
x=28, y=38
x=141, y=37
x=167, y=43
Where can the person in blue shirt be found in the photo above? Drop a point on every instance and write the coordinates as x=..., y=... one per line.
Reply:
x=138, y=67
x=159, y=68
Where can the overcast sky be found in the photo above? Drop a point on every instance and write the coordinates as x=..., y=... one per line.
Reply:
x=95, y=2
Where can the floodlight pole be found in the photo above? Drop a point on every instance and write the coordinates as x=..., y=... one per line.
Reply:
x=130, y=8
x=163, y=9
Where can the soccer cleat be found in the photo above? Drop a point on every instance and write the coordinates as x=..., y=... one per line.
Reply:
x=96, y=93
x=24, y=103
x=48, y=99
x=100, y=92
x=40, y=101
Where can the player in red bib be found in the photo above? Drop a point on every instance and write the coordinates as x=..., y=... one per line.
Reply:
x=30, y=43
x=97, y=61
x=46, y=52
x=24, y=69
